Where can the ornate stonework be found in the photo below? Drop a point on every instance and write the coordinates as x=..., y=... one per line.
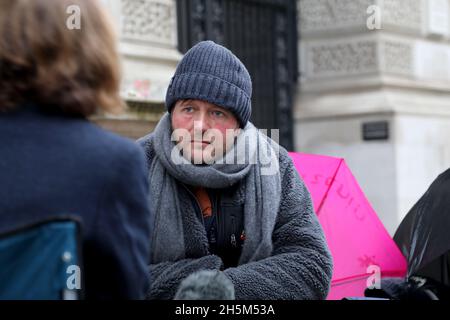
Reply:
x=149, y=21
x=341, y=58
x=398, y=57
x=407, y=14
x=332, y=14
x=336, y=41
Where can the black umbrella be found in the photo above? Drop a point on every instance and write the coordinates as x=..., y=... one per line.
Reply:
x=424, y=234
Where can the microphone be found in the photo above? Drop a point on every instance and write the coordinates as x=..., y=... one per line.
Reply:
x=206, y=285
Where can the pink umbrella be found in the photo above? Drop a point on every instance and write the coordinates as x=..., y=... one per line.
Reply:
x=360, y=245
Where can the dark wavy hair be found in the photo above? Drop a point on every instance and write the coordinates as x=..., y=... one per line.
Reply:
x=45, y=62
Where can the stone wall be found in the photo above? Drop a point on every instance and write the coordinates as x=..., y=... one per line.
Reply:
x=353, y=73
x=147, y=31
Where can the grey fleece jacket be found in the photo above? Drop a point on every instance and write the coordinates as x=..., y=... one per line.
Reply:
x=300, y=266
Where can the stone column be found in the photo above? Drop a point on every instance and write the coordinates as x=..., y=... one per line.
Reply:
x=147, y=31
x=389, y=75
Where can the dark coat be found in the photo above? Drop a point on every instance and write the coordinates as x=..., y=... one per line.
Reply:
x=53, y=165
x=300, y=266
x=225, y=228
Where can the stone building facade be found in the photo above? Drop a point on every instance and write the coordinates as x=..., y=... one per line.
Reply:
x=355, y=74
x=147, y=30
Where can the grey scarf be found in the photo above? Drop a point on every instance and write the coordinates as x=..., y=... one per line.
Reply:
x=258, y=165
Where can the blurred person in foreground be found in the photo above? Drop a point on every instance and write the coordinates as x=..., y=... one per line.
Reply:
x=226, y=197
x=53, y=160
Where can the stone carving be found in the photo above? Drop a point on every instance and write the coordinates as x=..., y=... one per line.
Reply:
x=343, y=58
x=398, y=57
x=318, y=15
x=331, y=14
x=360, y=57
x=403, y=13
x=149, y=21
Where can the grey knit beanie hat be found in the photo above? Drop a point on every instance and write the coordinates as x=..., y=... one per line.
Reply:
x=212, y=73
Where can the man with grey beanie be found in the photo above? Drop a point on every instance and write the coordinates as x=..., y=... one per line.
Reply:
x=227, y=198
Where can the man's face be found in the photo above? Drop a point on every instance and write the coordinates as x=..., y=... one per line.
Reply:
x=211, y=129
